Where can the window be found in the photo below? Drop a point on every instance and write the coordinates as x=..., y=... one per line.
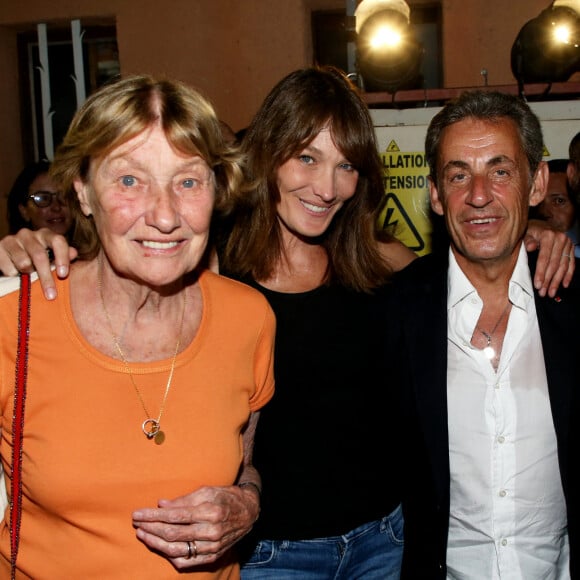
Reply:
x=100, y=63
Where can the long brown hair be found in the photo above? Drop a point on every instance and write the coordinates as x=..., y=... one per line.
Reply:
x=292, y=115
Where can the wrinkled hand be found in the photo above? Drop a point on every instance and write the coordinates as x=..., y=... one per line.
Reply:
x=26, y=251
x=212, y=518
x=556, y=263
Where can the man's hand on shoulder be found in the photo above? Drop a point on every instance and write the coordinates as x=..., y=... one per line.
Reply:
x=27, y=251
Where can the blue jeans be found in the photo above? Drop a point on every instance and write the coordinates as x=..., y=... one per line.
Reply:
x=372, y=551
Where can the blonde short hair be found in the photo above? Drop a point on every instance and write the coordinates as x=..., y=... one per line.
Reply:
x=120, y=111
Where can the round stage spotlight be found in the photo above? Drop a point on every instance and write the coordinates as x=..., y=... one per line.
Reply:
x=389, y=57
x=547, y=47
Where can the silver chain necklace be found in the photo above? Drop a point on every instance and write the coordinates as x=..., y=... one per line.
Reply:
x=488, y=350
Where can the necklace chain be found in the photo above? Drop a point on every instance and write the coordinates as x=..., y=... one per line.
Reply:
x=150, y=427
x=489, y=350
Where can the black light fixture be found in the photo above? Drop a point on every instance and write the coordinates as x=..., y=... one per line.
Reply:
x=388, y=55
x=547, y=48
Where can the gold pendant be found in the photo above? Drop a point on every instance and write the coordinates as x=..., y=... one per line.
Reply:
x=153, y=431
x=150, y=428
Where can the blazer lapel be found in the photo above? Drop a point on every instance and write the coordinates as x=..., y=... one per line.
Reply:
x=427, y=340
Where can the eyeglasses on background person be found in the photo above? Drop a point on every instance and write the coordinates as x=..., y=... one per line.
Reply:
x=46, y=198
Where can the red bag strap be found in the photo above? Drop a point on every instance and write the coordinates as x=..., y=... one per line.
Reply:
x=18, y=419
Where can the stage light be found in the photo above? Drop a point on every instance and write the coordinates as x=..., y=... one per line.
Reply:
x=547, y=48
x=388, y=55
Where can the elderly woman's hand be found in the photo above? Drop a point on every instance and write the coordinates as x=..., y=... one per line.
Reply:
x=200, y=527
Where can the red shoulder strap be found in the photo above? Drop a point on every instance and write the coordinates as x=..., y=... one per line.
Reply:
x=18, y=418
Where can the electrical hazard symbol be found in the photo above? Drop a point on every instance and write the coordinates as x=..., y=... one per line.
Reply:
x=406, y=212
x=397, y=221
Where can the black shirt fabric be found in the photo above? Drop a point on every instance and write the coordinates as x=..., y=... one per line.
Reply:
x=326, y=443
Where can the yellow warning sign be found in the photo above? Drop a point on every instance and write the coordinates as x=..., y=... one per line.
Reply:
x=406, y=211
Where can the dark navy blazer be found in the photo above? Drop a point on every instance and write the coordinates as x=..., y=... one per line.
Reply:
x=417, y=322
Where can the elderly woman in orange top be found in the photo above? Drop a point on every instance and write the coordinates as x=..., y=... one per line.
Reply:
x=147, y=373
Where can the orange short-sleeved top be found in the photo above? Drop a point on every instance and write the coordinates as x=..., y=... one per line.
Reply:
x=87, y=464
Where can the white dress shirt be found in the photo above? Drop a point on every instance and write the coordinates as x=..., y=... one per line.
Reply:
x=508, y=514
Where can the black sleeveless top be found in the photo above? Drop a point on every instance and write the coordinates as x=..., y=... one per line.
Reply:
x=326, y=444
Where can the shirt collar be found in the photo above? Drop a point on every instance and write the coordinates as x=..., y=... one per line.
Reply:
x=458, y=286
x=521, y=289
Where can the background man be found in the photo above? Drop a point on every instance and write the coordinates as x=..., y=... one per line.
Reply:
x=559, y=208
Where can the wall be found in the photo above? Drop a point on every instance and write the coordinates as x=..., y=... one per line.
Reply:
x=479, y=35
x=235, y=51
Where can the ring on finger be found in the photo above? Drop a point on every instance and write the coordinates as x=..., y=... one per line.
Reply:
x=191, y=550
x=569, y=256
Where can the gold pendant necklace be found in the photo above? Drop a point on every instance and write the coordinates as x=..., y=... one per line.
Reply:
x=150, y=427
x=488, y=350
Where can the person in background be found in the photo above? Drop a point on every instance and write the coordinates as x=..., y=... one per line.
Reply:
x=573, y=172
x=34, y=202
x=137, y=455
x=488, y=369
x=559, y=207
x=573, y=169
x=305, y=236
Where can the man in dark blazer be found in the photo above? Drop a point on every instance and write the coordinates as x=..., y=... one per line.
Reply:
x=489, y=371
